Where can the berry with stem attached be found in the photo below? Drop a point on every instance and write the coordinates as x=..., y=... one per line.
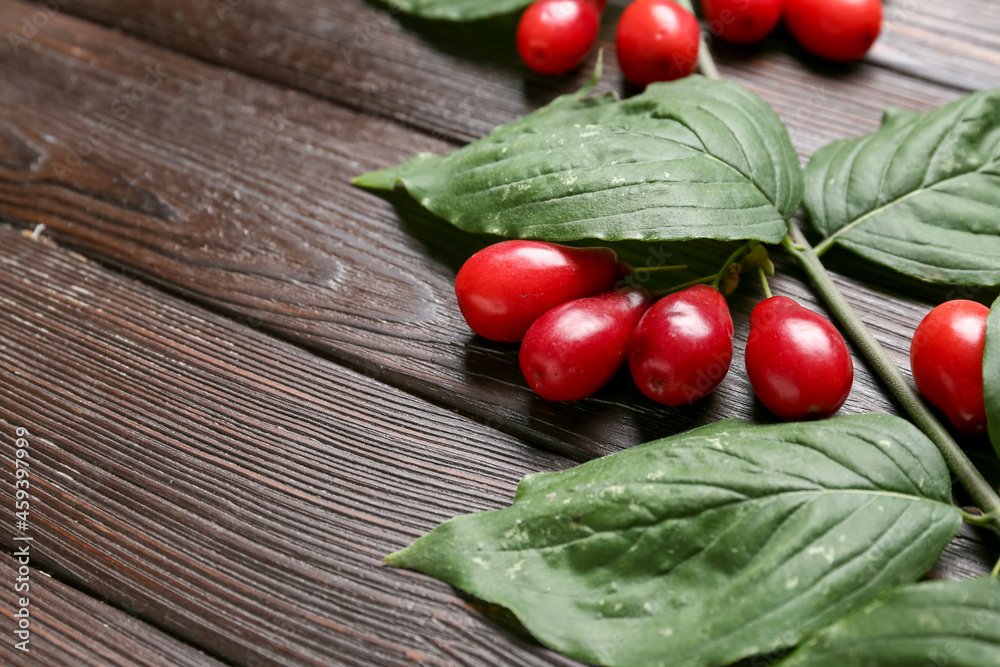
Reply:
x=576, y=348
x=946, y=355
x=683, y=346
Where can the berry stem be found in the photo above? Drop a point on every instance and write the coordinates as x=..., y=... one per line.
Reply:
x=996, y=569
x=705, y=62
x=799, y=247
x=970, y=478
x=650, y=269
x=735, y=257
x=690, y=283
x=763, y=280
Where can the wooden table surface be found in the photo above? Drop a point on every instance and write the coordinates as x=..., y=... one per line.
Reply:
x=243, y=381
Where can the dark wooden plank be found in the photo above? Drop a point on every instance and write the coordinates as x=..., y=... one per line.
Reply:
x=234, y=490
x=956, y=43
x=461, y=80
x=69, y=629
x=179, y=192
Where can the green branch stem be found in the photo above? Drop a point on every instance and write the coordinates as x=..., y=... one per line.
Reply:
x=798, y=246
x=763, y=281
x=978, y=488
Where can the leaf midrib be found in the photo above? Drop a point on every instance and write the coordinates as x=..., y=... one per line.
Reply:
x=832, y=239
x=701, y=150
x=747, y=499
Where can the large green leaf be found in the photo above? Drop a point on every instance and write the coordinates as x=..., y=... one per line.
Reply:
x=991, y=374
x=458, y=10
x=920, y=195
x=953, y=623
x=731, y=540
x=695, y=158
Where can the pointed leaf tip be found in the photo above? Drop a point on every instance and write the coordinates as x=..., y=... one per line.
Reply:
x=700, y=549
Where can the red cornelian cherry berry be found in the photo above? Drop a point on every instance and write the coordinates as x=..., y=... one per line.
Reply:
x=504, y=288
x=742, y=21
x=682, y=347
x=798, y=363
x=838, y=30
x=554, y=36
x=599, y=5
x=946, y=356
x=576, y=348
x=657, y=41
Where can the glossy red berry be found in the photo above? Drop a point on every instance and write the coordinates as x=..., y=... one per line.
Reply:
x=504, y=288
x=742, y=21
x=835, y=29
x=554, y=36
x=682, y=347
x=599, y=5
x=574, y=349
x=798, y=363
x=946, y=356
x=657, y=41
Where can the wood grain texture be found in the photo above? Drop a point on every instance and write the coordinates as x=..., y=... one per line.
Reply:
x=235, y=193
x=69, y=629
x=459, y=81
x=236, y=491
x=956, y=43
x=239, y=492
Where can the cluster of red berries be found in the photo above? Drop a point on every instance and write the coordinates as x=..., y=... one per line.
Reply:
x=946, y=355
x=579, y=323
x=658, y=40
x=838, y=30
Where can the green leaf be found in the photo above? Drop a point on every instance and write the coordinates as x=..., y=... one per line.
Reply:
x=458, y=10
x=728, y=541
x=920, y=195
x=694, y=158
x=953, y=623
x=991, y=374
